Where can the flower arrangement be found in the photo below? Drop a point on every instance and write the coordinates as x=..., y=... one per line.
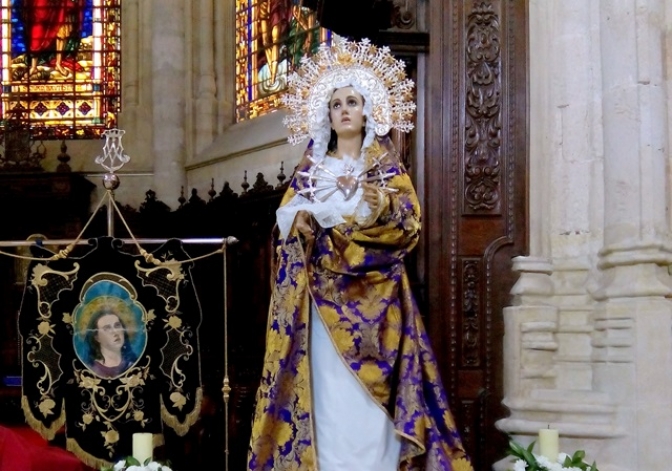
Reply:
x=132, y=464
x=528, y=461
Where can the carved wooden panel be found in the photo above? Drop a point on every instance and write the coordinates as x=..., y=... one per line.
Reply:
x=483, y=111
x=472, y=278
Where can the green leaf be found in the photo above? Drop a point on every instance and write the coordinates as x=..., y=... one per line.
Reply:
x=578, y=457
x=515, y=450
x=568, y=462
x=515, y=447
x=132, y=461
x=531, y=447
x=529, y=458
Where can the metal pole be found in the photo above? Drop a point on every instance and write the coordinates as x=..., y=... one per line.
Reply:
x=45, y=242
x=110, y=216
x=111, y=182
x=226, y=389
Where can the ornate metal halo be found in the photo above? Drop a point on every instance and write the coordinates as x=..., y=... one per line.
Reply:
x=372, y=71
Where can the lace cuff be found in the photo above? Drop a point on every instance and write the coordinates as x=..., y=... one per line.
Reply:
x=326, y=214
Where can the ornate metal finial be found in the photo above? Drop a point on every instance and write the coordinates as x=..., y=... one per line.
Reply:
x=113, y=157
x=226, y=389
x=212, y=192
x=182, y=199
x=260, y=184
x=227, y=191
x=63, y=158
x=194, y=199
x=281, y=175
x=245, y=184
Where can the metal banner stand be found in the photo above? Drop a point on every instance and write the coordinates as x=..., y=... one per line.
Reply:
x=112, y=160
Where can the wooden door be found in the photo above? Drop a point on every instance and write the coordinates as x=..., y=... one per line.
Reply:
x=475, y=202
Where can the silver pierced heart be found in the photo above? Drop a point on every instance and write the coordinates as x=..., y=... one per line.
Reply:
x=347, y=184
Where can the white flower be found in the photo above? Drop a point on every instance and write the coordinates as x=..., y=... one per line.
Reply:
x=542, y=460
x=151, y=466
x=548, y=464
x=519, y=465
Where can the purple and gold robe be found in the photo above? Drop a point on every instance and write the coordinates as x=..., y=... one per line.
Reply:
x=356, y=278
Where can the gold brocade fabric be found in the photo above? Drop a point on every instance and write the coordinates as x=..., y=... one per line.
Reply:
x=357, y=279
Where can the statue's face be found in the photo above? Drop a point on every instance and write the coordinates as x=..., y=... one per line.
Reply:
x=110, y=333
x=346, y=110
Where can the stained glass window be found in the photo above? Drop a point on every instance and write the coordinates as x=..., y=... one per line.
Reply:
x=271, y=38
x=61, y=66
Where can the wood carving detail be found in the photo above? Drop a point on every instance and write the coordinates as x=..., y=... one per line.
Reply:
x=483, y=118
x=404, y=15
x=471, y=333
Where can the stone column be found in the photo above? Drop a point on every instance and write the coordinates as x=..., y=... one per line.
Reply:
x=205, y=110
x=225, y=63
x=531, y=321
x=633, y=339
x=131, y=62
x=169, y=97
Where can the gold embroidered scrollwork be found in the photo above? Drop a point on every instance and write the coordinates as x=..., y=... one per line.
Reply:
x=165, y=279
x=47, y=283
x=109, y=409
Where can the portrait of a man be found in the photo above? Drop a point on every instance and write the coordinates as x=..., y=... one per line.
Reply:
x=110, y=334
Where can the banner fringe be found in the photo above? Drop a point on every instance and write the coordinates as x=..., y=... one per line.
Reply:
x=87, y=458
x=181, y=428
x=48, y=433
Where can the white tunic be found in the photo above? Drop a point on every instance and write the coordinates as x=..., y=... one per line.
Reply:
x=353, y=432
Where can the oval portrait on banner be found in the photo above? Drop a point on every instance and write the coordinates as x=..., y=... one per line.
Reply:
x=109, y=326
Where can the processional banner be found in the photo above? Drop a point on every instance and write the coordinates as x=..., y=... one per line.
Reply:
x=110, y=347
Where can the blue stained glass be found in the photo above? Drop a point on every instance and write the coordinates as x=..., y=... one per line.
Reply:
x=87, y=21
x=250, y=88
x=18, y=43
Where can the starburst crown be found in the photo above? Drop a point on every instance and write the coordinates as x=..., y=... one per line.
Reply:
x=372, y=71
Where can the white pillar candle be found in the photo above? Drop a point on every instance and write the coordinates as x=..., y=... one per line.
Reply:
x=548, y=444
x=143, y=446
